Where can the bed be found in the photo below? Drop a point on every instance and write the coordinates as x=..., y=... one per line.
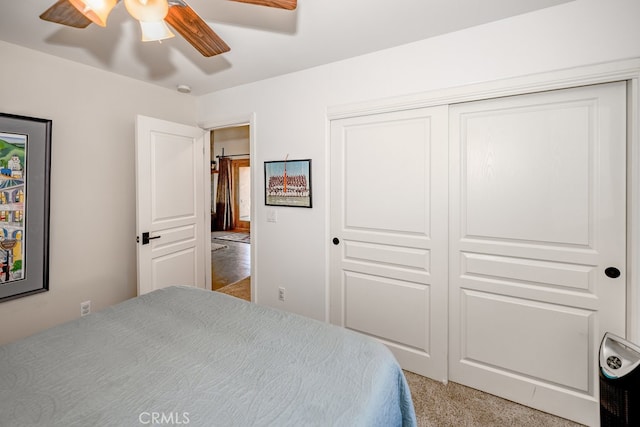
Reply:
x=186, y=356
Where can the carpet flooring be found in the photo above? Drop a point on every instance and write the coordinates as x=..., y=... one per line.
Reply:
x=439, y=405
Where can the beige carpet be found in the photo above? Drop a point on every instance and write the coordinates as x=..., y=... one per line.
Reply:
x=241, y=289
x=440, y=405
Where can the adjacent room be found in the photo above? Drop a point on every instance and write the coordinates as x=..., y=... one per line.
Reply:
x=231, y=211
x=281, y=212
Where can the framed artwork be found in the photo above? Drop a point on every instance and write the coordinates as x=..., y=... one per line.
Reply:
x=25, y=145
x=288, y=183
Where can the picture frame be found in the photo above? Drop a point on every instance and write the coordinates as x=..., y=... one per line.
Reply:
x=288, y=183
x=25, y=161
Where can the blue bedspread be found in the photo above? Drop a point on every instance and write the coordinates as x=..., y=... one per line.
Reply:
x=185, y=356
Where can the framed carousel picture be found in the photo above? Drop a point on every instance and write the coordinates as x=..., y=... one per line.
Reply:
x=25, y=145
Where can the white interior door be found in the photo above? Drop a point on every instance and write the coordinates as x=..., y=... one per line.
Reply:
x=537, y=214
x=170, y=205
x=388, y=221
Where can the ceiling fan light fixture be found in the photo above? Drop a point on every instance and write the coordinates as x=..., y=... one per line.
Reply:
x=155, y=31
x=96, y=10
x=152, y=15
x=147, y=10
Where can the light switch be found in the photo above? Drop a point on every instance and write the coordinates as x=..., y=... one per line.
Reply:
x=272, y=215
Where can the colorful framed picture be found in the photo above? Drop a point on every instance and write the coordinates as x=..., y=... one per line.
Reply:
x=288, y=183
x=25, y=145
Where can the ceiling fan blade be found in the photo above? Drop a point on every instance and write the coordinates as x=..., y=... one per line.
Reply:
x=65, y=13
x=281, y=4
x=190, y=26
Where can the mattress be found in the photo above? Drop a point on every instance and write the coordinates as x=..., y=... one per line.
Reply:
x=186, y=356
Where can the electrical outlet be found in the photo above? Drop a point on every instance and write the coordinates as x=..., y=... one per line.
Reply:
x=85, y=308
x=281, y=294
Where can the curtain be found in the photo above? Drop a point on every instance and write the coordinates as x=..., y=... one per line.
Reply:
x=224, y=205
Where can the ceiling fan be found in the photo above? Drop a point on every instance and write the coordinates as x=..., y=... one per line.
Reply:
x=152, y=15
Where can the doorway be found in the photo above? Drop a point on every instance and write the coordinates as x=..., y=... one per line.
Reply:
x=230, y=206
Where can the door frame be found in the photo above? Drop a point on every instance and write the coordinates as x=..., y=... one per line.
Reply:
x=625, y=70
x=248, y=119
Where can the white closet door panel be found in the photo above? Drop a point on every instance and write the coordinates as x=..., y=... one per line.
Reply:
x=388, y=214
x=489, y=318
x=500, y=164
x=386, y=176
x=537, y=213
x=395, y=311
x=528, y=271
x=412, y=258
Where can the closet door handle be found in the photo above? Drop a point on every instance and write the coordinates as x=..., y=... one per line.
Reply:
x=336, y=241
x=612, y=272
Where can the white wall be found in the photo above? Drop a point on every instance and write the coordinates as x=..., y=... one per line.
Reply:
x=291, y=118
x=92, y=223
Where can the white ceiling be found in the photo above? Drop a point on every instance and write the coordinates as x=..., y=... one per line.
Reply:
x=264, y=42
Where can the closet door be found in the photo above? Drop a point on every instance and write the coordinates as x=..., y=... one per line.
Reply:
x=537, y=244
x=388, y=258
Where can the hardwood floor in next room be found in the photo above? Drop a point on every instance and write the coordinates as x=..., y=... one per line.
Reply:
x=229, y=264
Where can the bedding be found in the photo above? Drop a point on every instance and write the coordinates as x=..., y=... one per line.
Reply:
x=186, y=356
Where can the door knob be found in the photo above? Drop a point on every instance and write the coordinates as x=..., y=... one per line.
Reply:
x=336, y=241
x=612, y=272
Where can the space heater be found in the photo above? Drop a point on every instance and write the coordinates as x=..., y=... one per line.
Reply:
x=619, y=382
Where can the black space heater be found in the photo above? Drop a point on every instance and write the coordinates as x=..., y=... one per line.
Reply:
x=619, y=382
